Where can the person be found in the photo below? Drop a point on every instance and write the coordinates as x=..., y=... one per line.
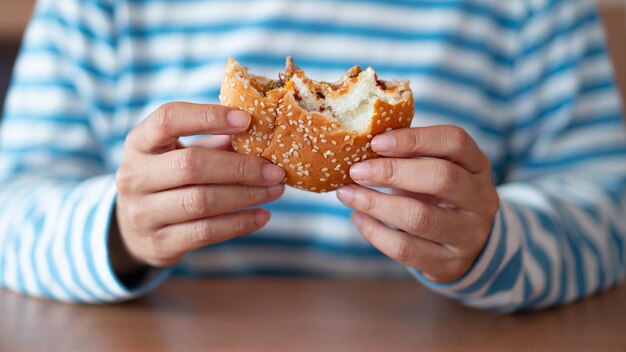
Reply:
x=508, y=193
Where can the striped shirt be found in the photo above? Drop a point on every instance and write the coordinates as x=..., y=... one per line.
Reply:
x=530, y=80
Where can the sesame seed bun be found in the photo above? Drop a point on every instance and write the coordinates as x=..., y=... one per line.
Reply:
x=315, y=130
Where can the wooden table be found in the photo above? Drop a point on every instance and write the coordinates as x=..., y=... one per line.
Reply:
x=305, y=315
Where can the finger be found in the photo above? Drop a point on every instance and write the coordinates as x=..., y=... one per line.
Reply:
x=178, y=239
x=417, y=218
x=444, y=141
x=436, y=177
x=197, y=202
x=214, y=142
x=409, y=250
x=161, y=129
x=195, y=166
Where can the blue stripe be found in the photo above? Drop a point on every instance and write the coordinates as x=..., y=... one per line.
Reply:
x=476, y=9
x=89, y=33
x=614, y=118
x=55, y=152
x=294, y=207
x=68, y=120
x=508, y=276
x=181, y=271
x=307, y=244
x=579, y=157
x=39, y=83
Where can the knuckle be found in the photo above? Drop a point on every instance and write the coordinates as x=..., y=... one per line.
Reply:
x=403, y=251
x=243, y=168
x=458, y=139
x=156, y=252
x=445, y=177
x=163, y=117
x=186, y=164
x=123, y=179
x=418, y=220
x=368, y=201
x=134, y=214
x=388, y=171
x=240, y=224
x=197, y=202
x=202, y=231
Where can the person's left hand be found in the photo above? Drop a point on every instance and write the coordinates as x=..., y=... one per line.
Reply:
x=443, y=203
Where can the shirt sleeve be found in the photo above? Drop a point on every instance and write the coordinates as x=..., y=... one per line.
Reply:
x=56, y=193
x=560, y=233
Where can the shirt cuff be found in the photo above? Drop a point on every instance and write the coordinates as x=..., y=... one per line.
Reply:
x=97, y=253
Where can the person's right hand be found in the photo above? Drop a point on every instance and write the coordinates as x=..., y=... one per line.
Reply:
x=173, y=199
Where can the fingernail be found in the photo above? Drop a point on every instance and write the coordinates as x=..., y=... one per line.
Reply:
x=345, y=194
x=273, y=173
x=262, y=216
x=357, y=218
x=361, y=171
x=275, y=190
x=238, y=118
x=383, y=143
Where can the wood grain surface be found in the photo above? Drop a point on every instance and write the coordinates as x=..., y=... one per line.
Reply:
x=305, y=315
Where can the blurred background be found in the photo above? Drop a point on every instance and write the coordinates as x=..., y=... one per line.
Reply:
x=14, y=15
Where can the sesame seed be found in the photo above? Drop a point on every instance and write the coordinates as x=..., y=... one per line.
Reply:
x=322, y=179
x=286, y=161
x=281, y=145
x=333, y=125
x=334, y=142
x=289, y=107
x=354, y=155
x=300, y=173
x=327, y=174
x=262, y=105
x=333, y=161
x=349, y=162
x=369, y=136
x=290, y=114
x=387, y=119
x=324, y=128
x=314, y=150
x=263, y=112
x=364, y=157
x=299, y=182
x=274, y=157
x=384, y=113
x=323, y=140
x=242, y=98
x=308, y=117
x=291, y=166
x=261, y=122
x=299, y=129
x=348, y=149
x=283, y=127
x=388, y=129
x=268, y=119
x=296, y=154
x=307, y=165
x=256, y=102
x=337, y=167
x=378, y=122
x=325, y=169
x=367, y=145
x=356, y=159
